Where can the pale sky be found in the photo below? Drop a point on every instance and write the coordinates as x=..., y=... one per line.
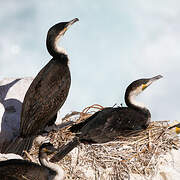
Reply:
x=114, y=43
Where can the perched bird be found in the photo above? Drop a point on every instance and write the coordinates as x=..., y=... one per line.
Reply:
x=106, y=125
x=18, y=169
x=46, y=94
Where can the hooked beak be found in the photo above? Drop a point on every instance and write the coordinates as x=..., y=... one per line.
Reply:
x=51, y=150
x=54, y=149
x=73, y=21
x=70, y=23
x=156, y=78
x=151, y=80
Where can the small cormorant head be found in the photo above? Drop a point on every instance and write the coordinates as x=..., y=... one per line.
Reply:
x=47, y=148
x=54, y=34
x=136, y=87
x=60, y=28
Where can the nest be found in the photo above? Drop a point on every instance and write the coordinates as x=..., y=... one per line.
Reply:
x=137, y=154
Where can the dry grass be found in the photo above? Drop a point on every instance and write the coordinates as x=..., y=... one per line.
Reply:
x=137, y=154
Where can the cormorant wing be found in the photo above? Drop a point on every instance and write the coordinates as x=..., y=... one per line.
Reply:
x=20, y=169
x=45, y=96
x=111, y=123
x=77, y=127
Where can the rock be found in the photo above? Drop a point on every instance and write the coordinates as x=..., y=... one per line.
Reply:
x=4, y=157
x=168, y=168
x=12, y=92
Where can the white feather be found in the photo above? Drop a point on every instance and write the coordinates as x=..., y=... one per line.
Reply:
x=132, y=97
x=60, y=172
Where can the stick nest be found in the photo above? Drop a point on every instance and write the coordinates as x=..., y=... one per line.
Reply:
x=138, y=153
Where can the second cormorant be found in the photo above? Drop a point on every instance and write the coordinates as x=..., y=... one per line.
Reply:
x=106, y=125
x=18, y=169
x=46, y=94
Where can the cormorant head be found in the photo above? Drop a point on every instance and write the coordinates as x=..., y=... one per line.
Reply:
x=47, y=148
x=136, y=87
x=54, y=34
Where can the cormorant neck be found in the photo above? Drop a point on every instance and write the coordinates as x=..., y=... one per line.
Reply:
x=132, y=103
x=43, y=159
x=52, y=46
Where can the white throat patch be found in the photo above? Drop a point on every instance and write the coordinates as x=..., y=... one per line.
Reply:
x=58, y=48
x=58, y=169
x=132, y=97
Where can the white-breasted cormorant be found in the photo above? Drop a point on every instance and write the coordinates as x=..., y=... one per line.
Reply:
x=46, y=94
x=19, y=169
x=106, y=125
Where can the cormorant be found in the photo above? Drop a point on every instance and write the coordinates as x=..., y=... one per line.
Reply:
x=46, y=94
x=19, y=169
x=106, y=125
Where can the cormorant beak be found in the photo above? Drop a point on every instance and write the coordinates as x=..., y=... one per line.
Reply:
x=70, y=23
x=150, y=81
x=53, y=149
x=50, y=150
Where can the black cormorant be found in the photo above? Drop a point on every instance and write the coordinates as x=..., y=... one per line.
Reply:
x=19, y=169
x=46, y=94
x=111, y=122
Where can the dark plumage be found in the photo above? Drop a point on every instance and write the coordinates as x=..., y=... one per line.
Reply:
x=18, y=169
x=46, y=94
x=107, y=124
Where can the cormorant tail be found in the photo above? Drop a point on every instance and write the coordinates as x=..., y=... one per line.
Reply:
x=18, y=145
x=65, y=149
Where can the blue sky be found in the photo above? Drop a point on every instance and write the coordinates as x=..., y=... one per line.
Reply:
x=114, y=43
